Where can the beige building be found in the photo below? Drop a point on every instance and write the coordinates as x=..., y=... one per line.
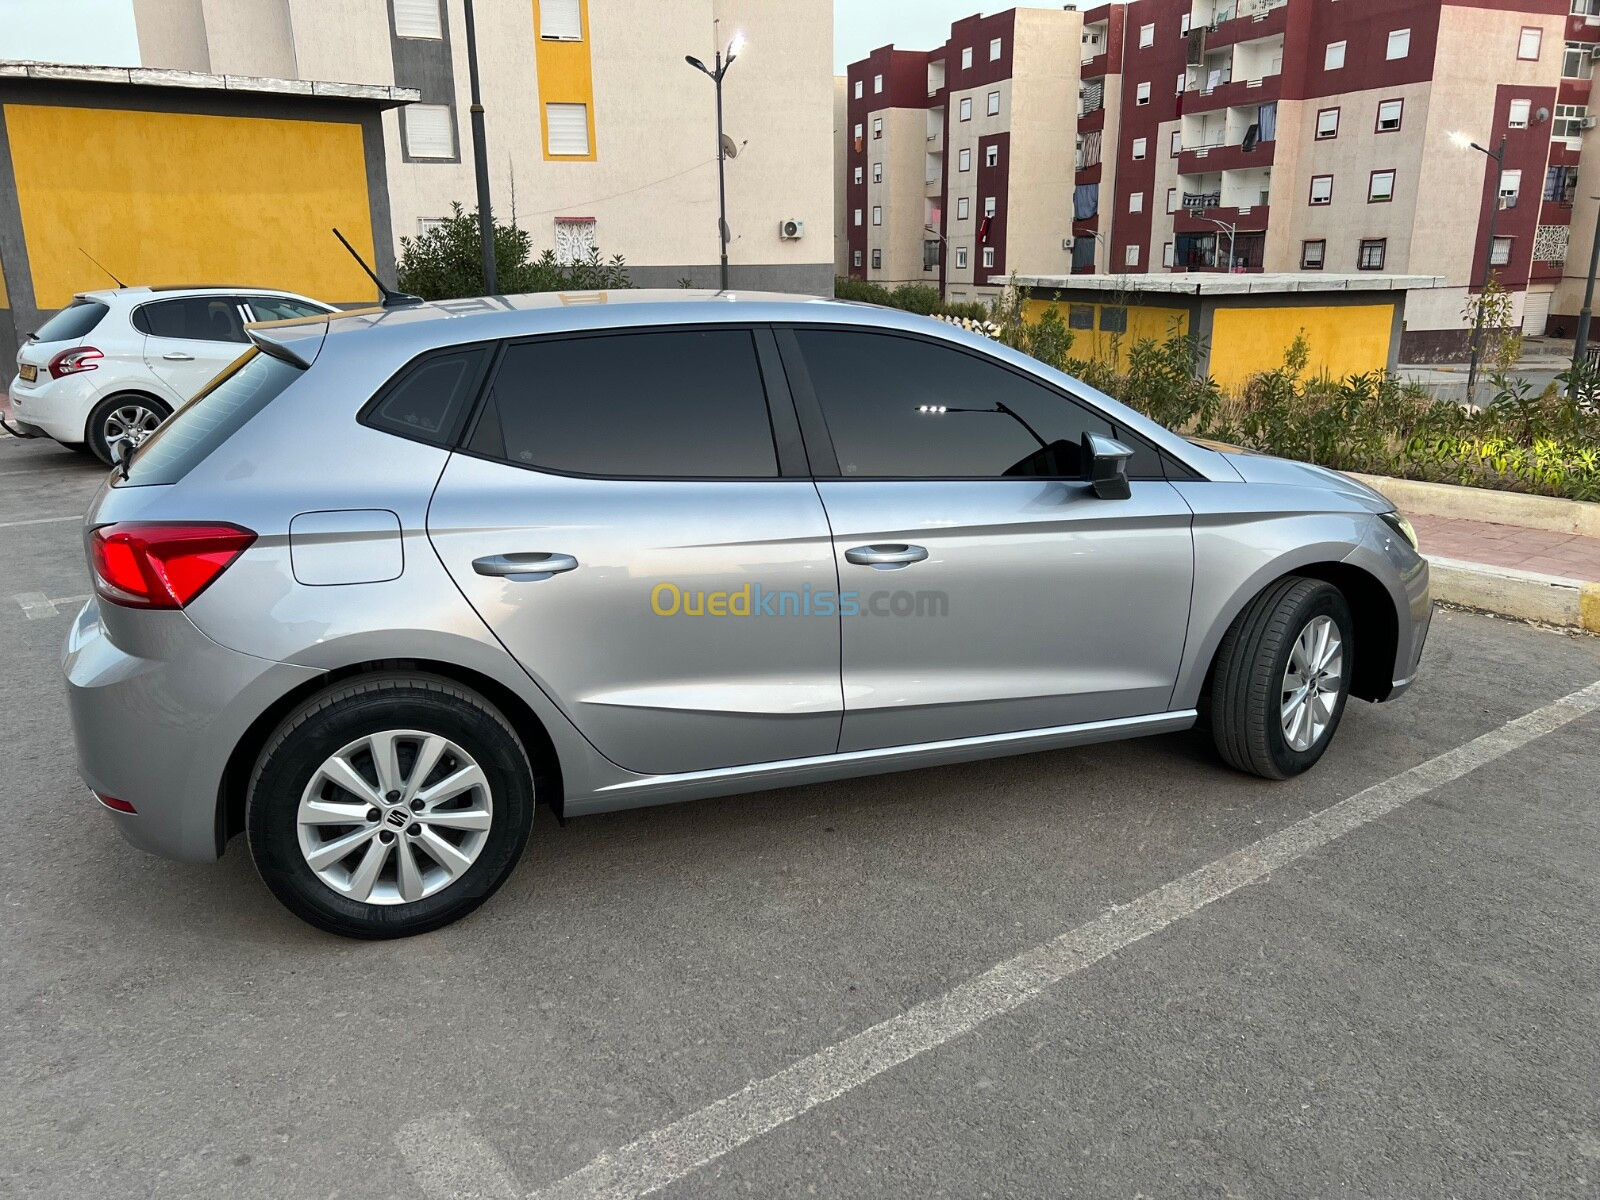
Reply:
x=599, y=134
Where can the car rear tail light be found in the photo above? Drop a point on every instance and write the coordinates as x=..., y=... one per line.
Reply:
x=75, y=362
x=116, y=805
x=140, y=565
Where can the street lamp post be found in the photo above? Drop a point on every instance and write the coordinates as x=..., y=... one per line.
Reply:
x=1580, y=348
x=716, y=76
x=1499, y=156
x=480, y=155
x=1232, y=232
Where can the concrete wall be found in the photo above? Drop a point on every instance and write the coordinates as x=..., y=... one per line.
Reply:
x=841, y=164
x=1044, y=124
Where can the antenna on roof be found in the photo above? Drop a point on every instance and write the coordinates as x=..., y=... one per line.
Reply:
x=98, y=263
x=387, y=295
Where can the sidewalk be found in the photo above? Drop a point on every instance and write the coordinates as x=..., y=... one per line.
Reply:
x=1530, y=573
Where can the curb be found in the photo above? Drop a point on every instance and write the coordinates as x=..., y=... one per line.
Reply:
x=1527, y=595
x=1548, y=513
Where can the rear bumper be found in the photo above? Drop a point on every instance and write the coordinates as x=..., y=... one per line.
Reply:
x=157, y=717
x=58, y=408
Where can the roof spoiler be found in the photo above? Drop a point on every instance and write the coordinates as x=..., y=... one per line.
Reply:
x=294, y=342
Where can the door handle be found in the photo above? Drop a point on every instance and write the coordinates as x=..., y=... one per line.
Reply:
x=178, y=356
x=524, y=568
x=885, y=558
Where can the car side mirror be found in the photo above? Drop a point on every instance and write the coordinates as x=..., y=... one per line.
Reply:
x=1105, y=466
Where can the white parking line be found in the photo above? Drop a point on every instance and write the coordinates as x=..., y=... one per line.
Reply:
x=38, y=521
x=36, y=606
x=677, y=1150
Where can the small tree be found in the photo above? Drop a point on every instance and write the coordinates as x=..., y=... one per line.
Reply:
x=1490, y=315
x=446, y=263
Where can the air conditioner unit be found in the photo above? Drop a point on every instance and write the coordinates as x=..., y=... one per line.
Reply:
x=1594, y=51
x=1589, y=122
x=1066, y=243
x=791, y=230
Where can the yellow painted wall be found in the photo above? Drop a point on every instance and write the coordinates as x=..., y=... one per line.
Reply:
x=1144, y=321
x=565, y=77
x=1344, y=339
x=164, y=198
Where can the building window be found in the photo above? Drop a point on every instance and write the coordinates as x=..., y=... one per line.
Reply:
x=1327, y=124
x=1389, y=114
x=994, y=50
x=966, y=108
x=961, y=258
x=1135, y=202
x=858, y=174
x=1179, y=90
x=1575, y=61
x=877, y=172
x=1080, y=316
x=1380, y=188
x=963, y=208
x=1371, y=254
x=877, y=214
x=858, y=89
x=858, y=217
x=1560, y=184
x=1177, y=142
x=1528, y=44
x=1586, y=8
x=426, y=225
x=988, y=206
x=1517, y=116
x=988, y=256
x=856, y=258
x=877, y=84
x=567, y=127
x=994, y=104
x=430, y=131
x=560, y=21
x=991, y=156
x=1166, y=254
x=964, y=161
x=418, y=19
x=1114, y=317
x=1569, y=120
x=1172, y=200
x=877, y=260
x=575, y=240
x=1147, y=36
x=1139, y=145
x=1312, y=254
x=1141, y=94
x=1322, y=189
x=966, y=58
x=1333, y=56
x=1399, y=44
x=1510, y=186
x=877, y=128
x=858, y=135
x=1130, y=258
x=1500, y=252
x=1183, y=25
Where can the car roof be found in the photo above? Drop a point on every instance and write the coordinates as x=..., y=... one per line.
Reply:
x=176, y=290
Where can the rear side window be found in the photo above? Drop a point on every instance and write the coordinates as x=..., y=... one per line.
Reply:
x=281, y=308
x=675, y=404
x=210, y=419
x=72, y=323
x=194, y=318
x=429, y=399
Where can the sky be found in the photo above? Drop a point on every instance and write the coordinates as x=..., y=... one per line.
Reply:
x=102, y=31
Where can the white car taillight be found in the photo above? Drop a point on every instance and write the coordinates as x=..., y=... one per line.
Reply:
x=75, y=362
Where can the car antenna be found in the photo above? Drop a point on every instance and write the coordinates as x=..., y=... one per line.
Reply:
x=102, y=266
x=389, y=298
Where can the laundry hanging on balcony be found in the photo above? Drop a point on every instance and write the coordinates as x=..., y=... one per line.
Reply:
x=1085, y=201
x=1267, y=121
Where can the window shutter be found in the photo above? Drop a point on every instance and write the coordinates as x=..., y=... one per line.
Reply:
x=569, y=128
x=561, y=20
x=430, y=132
x=418, y=19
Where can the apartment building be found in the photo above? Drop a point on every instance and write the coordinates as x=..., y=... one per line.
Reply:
x=599, y=134
x=957, y=165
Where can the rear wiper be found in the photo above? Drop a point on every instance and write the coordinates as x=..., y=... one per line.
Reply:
x=124, y=456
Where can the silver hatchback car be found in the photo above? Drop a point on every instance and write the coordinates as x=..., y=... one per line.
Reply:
x=398, y=575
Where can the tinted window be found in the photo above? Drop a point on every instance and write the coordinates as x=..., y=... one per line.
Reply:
x=197, y=318
x=874, y=389
x=210, y=419
x=428, y=398
x=280, y=308
x=75, y=321
x=686, y=404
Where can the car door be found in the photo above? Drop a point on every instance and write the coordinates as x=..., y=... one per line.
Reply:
x=986, y=588
x=623, y=519
x=189, y=340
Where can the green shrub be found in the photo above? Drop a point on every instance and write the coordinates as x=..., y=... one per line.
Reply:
x=920, y=298
x=446, y=263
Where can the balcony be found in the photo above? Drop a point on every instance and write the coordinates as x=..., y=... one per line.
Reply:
x=1249, y=23
x=1202, y=159
x=1203, y=220
x=1265, y=90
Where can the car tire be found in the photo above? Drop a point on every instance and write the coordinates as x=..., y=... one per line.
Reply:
x=1282, y=677
x=117, y=411
x=407, y=864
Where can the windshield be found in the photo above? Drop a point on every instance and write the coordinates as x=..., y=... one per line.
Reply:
x=211, y=418
x=72, y=323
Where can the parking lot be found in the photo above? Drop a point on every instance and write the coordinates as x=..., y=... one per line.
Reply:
x=1121, y=971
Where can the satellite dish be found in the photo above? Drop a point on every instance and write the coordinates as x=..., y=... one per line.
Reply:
x=730, y=148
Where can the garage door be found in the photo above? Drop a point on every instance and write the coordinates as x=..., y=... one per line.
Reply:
x=1535, y=312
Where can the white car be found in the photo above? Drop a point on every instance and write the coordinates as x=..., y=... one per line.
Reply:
x=114, y=364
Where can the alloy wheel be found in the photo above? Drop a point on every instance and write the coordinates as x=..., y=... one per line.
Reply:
x=1312, y=682
x=129, y=423
x=394, y=817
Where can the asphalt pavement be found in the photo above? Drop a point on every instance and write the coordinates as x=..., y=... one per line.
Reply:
x=1122, y=971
